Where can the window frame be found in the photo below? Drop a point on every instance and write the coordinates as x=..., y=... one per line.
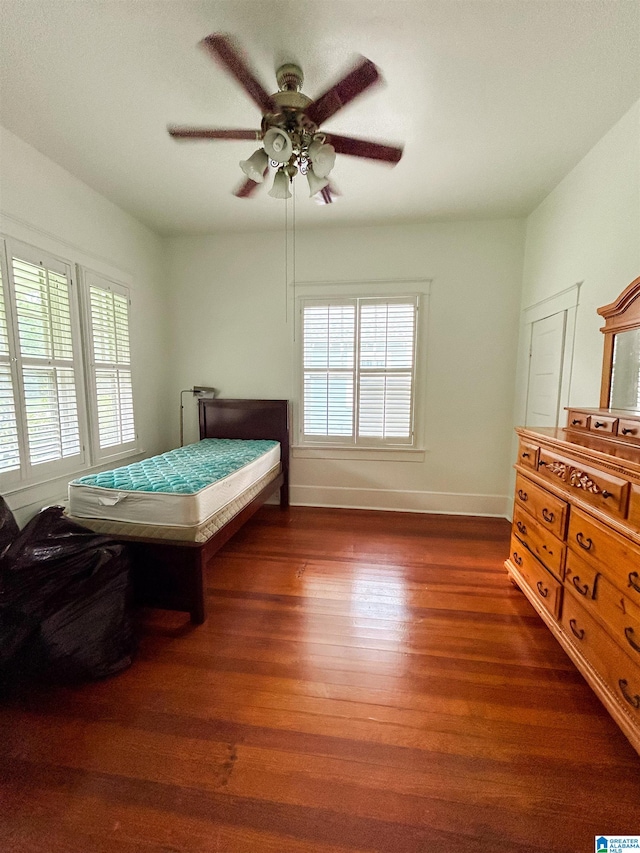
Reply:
x=30, y=479
x=327, y=293
x=29, y=473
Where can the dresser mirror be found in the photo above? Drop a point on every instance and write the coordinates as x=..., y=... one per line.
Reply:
x=620, y=387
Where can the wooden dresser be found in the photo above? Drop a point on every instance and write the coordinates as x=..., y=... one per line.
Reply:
x=575, y=549
x=575, y=543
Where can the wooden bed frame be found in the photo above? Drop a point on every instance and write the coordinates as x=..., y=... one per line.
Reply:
x=169, y=574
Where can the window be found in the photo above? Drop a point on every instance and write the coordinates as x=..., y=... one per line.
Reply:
x=110, y=388
x=44, y=425
x=359, y=371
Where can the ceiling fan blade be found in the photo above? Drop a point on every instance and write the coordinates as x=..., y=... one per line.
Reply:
x=365, y=148
x=211, y=133
x=327, y=195
x=247, y=189
x=222, y=49
x=365, y=74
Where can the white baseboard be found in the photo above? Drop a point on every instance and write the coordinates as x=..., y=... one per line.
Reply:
x=442, y=503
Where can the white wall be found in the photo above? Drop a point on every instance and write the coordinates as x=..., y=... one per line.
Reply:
x=44, y=205
x=588, y=230
x=230, y=323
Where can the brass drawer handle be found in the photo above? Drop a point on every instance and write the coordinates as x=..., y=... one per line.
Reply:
x=577, y=632
x=633, y=577
x=516, y=559
x=549, y=517
x=599, y=424
x=634, y=701
x=628, y=632
x=543, y=590
x=582, y=542
x=522, y=528
x=524, y=497
x=629, y=431
x=583, y=590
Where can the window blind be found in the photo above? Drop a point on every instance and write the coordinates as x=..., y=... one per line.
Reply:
x=9, y=448
x=109, y=322
x=358, y=370
x=46, y=349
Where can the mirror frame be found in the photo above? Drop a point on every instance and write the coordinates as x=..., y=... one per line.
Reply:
x=620, y=316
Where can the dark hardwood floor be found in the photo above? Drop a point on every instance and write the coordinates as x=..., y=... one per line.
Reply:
x=364, y=682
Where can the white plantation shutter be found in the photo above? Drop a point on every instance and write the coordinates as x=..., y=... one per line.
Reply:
x=329, y=357
x=9, y=447
x=47, y=359
x=387, y=346
x=359, y=370
x=111, y=386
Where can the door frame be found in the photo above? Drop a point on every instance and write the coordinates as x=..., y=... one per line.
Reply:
x=565, y=301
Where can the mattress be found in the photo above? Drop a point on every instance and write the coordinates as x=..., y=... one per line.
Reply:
x=182, y=488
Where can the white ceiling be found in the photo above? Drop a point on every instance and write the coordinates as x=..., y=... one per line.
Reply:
x=495, y=101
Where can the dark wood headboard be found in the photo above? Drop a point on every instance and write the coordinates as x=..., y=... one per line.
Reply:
x=247, y=419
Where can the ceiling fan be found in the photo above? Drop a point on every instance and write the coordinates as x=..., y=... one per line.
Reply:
x=289, y=130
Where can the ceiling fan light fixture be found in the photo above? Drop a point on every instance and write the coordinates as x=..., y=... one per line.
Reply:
x=255, y=166
x=280, y=188
x=278, y=145
x=323, y=158
x=315, y=183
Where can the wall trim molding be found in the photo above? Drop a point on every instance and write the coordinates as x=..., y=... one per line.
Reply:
x=397, y=500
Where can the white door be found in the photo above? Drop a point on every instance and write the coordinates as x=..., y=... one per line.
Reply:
x=546, y=357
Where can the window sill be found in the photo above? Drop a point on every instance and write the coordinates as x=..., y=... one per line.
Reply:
x=375, y=454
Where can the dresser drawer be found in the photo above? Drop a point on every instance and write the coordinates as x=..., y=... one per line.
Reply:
x=604, y=491
x=606, y=657
x=598, y=423
x=549, y=550
x=528, y=454
x=577, y=420
x=621, y=616
x=546, y=588
x=609, y=553
x=547, y=509
x=629, y=429
x=580, y=575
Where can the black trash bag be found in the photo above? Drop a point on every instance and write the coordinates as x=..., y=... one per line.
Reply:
x=9, y=529
x=75, y=587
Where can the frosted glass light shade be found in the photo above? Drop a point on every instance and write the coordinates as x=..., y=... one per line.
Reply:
x=278, y=145
x=256, y=164
x=315, y=183
x=323, y=158
x=280, y=188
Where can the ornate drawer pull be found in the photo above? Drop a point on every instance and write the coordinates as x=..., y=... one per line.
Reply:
x=576, y=421
x=629, y=431
x=583, y=590
x=524, y=497
x=582, y=542
x=541, y=463
x=526, y=455
x=577, y=632
x=543, y=590
x=633, y=577
x=548, y=550
x=628, y=632
x=549, y=517
x=521, y=528
x=599, y=424
x=516, y=559
x=606, y=494
x=634, y=701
